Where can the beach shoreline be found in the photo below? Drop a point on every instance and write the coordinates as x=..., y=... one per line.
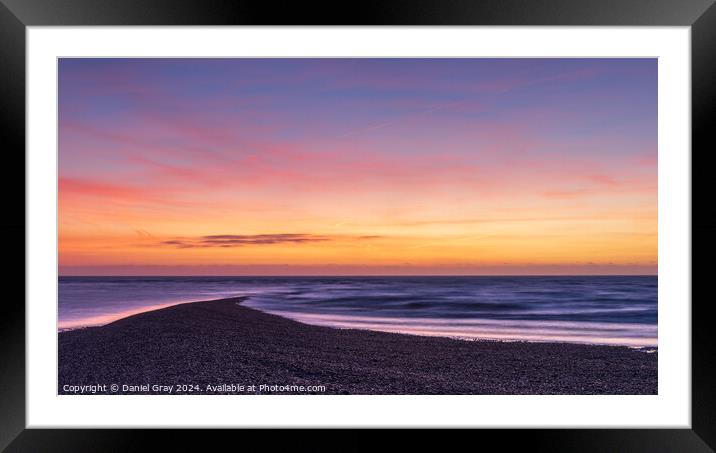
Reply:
x=222, y=347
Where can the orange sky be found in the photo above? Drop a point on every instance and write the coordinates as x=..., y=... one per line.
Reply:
x=195, y=167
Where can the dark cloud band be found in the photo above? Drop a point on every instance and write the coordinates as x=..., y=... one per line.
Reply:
x=239, y=240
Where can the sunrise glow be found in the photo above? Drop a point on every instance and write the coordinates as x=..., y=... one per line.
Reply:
x=357, y=166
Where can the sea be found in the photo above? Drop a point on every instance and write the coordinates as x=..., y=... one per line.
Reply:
x=613, y=310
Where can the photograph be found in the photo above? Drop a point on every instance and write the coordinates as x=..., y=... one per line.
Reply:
x=357, y=226
x=482, y=217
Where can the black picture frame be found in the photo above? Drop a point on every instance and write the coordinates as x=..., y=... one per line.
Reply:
x=16, y=15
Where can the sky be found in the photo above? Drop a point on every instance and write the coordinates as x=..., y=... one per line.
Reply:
x=357, y=166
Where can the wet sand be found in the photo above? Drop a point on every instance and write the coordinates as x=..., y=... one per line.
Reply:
x=219, y=343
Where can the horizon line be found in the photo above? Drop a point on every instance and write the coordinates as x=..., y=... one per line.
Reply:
x=374, y=275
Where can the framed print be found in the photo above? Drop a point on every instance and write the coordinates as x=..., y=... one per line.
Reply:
x=474, y=215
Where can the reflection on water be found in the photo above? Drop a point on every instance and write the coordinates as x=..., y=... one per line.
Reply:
x=637, y=335
x=606, y=310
